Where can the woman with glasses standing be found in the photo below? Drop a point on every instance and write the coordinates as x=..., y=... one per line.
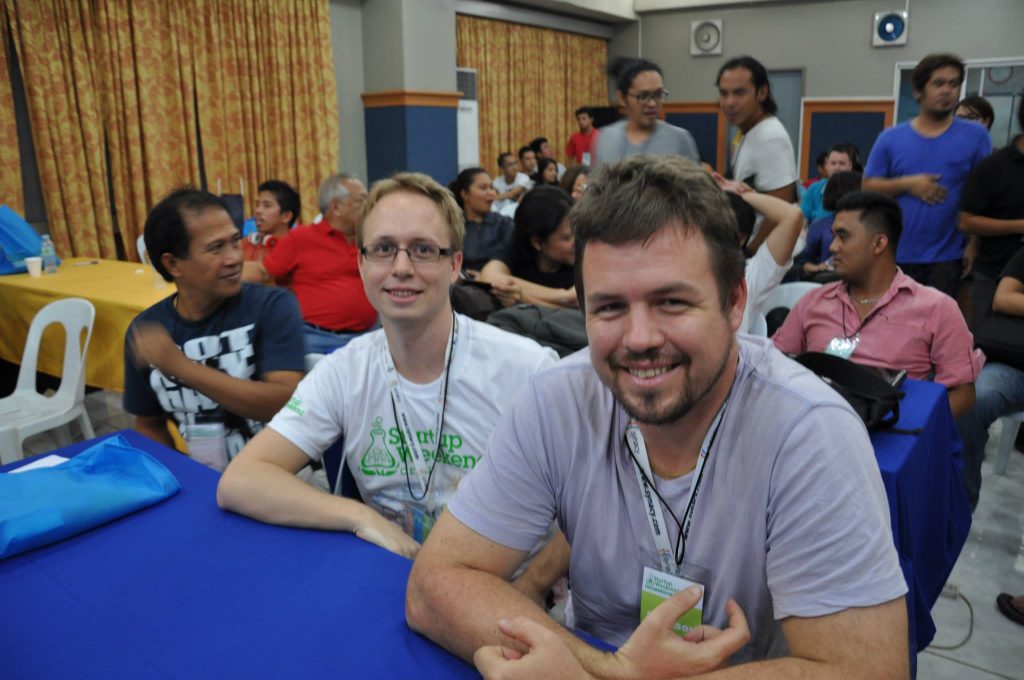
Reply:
x=487, y=232
x=641, y=92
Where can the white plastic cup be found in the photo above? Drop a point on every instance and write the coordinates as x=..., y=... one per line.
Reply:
x=35, y=266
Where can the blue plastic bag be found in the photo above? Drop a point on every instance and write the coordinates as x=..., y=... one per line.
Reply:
x=18, y=240
x=108, y=480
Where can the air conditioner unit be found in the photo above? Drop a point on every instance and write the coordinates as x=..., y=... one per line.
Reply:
x=890, y=29
x=468, y=119
x=706, y=37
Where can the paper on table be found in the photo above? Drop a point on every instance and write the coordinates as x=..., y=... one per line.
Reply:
x=48, y=461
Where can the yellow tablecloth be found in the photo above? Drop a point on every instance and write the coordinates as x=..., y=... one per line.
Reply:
x=118, y=290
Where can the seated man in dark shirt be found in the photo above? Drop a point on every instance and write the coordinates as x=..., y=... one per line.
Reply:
x=999, y=390
x=539, y=265
x=816, y=258
x=992, y=214
x=219, y=357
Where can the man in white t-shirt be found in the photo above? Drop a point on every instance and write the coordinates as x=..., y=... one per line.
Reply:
x=762, y=154
x=766, y=268
x=413, y=402
x=510, y=185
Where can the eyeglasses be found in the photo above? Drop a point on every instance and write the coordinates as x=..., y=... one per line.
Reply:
x=644, y=97
x=420, y=252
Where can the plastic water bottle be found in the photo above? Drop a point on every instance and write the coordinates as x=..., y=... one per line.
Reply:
x=49, y=255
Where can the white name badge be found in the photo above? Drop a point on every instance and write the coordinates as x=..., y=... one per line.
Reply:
x=207, y=444
x=842, y=347
x=658, y=587
x=586, y=158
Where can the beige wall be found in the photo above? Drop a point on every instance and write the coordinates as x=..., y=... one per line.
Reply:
x=387, y=45
x=830, y=39
x=347, y=43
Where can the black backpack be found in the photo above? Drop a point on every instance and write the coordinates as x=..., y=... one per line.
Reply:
x=563, y=330
x=875, y=400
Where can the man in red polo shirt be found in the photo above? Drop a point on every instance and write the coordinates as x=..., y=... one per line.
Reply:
x=578, y=150
x=321, y=261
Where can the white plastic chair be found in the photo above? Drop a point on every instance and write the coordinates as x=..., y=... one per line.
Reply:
x=787, y=295
x=759, y=326
x=26, y=412
x=311, y=360
x=140, y=248
x=1011, y=424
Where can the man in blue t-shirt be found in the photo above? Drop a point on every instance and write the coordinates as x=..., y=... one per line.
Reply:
x=218, y=356
x=924, y=164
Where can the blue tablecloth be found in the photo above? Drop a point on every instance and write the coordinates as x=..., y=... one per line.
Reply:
x=927, y=501
x=185, y=590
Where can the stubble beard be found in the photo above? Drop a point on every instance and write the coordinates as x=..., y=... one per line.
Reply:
x=696, y=387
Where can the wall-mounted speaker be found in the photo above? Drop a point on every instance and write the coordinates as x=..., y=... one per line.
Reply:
x=706, y=37
x=890, y=29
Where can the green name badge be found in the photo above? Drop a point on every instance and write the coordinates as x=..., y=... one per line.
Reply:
x=658, y=587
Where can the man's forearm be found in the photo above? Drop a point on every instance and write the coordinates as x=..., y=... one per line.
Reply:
x=1009, y=303
x=535, y=293
x=549, y=565
x=254, y=272
x=459, y=608
x=961, y=399
x=890, y=186
x=265, y=492
x=988, y=226
x=781, y=227
x=791, y=668
x=254, y=399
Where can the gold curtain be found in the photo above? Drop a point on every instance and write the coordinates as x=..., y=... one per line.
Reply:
x=144, y=59
x=52, y=42
x=250, y=82
x=267, y=99
x=529, y=82
x=10, y=168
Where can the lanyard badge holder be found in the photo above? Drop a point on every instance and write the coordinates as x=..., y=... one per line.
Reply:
x=660, y=584
x=842, y=347
x=419, y=516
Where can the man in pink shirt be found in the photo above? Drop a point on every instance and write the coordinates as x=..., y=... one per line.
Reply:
x=877, y=315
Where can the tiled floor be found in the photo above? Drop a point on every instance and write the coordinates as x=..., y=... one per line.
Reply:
x=105, y=413
x=992, y=562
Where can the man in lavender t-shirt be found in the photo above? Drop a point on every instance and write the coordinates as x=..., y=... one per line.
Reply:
x=788, y=521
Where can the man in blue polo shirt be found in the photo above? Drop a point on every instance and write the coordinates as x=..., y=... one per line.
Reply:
x=924, y=164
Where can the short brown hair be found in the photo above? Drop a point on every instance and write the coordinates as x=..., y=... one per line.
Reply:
x=416, y=183
x=634, y=199
x=922, y=73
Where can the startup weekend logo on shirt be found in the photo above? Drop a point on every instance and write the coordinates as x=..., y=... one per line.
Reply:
x=387, y=454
